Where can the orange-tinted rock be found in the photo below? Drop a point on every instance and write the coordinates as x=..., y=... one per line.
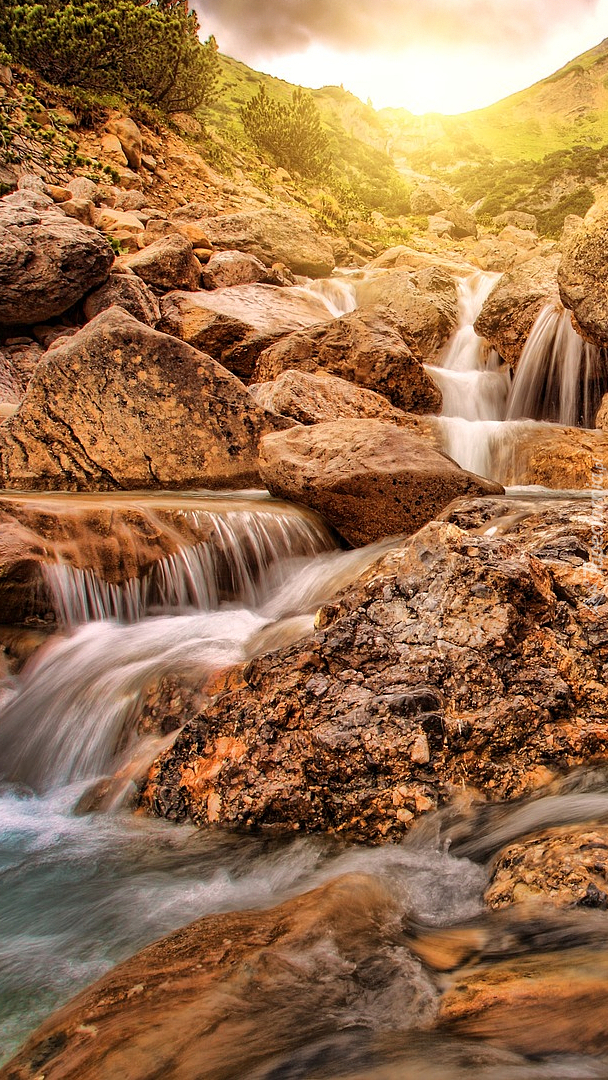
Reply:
x=121, y=406
x=368, y=478
x=366, y=348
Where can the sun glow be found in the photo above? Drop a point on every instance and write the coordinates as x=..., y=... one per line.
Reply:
x=442, y=78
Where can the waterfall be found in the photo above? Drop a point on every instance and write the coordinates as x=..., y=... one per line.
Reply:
x=338, y=294
x=243, y=547
x=556, y=373
x=488, y=422
x=473, y=382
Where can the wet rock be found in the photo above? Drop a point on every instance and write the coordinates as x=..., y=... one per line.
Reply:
x=565, y=866
x=363, y=347
x=47, y=263
x=490, y=654
x=556, y=457
x=368, y=478
x=583, y=273
x=424, y=305
x=168, y=263
x=127, y=291
x=601, y=418
x=192, y=1004
x=122, y=406
x=115, y=544
x=315, y=398
x=287, y=236
x=548, y=1004
x=234, y=325
x=511, y=309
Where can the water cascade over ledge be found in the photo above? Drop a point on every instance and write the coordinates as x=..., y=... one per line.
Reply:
x=489, y=419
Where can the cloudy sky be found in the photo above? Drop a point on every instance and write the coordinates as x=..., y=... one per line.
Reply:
x=443, y=55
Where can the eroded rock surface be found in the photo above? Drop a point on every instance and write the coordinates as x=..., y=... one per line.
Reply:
x=424, y=305
x=121, y=406
x=583, y=273
x=369, y=479
x=235, y=324
x=284, y=236
x=510, y=311
x=47, y=262
x=363, y=347
x=316, y=398
x=459, y=661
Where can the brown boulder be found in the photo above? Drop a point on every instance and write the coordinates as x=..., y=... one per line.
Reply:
x=565, y=866
x=546, y=1004
x=127, y=291
x=286, y=236
x=226, y=268
x=601, y=417
x=168, y=263
x=583, y=273
x=121, y=406
x=129, y=136
x=315, y=398
x=47, y=262
x=364, y=347
x=222, y=996
x=510, y=311
x=424, y=305
x=234, y=325
x=458, y=662
x=368, y=478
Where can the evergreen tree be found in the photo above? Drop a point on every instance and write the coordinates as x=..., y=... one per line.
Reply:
x=292, y=133
x=146, y=47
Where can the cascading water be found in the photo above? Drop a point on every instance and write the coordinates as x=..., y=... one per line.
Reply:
x=243, y=546
x=80, y=893
x=486, y=417
x=338, y=294
x=557, y=375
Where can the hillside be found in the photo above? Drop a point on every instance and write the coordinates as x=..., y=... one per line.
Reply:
x=542, y=150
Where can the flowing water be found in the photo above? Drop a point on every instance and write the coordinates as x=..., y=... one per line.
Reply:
x=488, y=417
x=79, y=892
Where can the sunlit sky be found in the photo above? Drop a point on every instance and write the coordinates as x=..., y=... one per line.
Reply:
x=423, y=55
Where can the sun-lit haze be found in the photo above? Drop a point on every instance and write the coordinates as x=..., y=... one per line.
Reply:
x=423, y=55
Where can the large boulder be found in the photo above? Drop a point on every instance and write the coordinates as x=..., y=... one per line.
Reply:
x=424, y=305
x=122, y=406
x=518, y=218
x=47, y=262
x=235, y=324
x=365, y=347
x=127, y=291
x=369, y=479
x=583, y=273
x=168, y=263
x=221, y=998
x=565, y=866
x=226, y=268
x=314, y=398
x=511, y=309
x=460, y=662
x=129, y=136
x=285, y=236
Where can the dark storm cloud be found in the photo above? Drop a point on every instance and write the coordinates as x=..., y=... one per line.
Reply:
x=271, y=27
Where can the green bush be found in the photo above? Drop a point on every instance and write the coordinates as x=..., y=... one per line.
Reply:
x=290, y=132
x=144, y=48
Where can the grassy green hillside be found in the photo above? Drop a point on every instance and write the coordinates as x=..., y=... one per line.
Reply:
x=363, y=171
x=568, y=109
